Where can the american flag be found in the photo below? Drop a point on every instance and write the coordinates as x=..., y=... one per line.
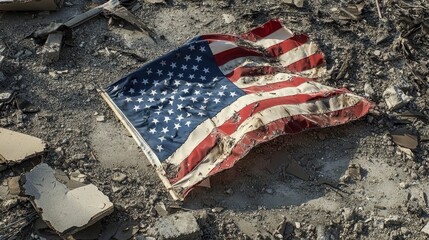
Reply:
x=199, y=109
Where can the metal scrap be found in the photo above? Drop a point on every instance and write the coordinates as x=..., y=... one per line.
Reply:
x=113, y=7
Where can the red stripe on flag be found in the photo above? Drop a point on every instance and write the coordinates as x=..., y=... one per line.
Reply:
x=231, y=54
x=287, y=45
x=263, y=31
x=277, y=85
x=307, y=63
x=231, y=125
x=288, y=125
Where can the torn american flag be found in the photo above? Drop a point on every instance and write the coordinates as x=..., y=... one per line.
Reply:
x=200, y=108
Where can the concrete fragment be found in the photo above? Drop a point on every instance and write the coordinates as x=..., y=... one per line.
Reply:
x=425, y=229
x=13, y=185
x=161, y=209
x=51, y=49
x=179, y=226
x=297, y=3
x=119, y=177
x=392, y=220
x=82, y=206
x=8, y=204
x=395, y=98
x=228, y=18
x=100, y=118
x=16, y=147
x=369, y=91
x=78, y=177
x=405, y=138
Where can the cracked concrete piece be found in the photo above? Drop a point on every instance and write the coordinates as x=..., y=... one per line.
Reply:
x=179, y=226
x=66, y=211
x=16, y=147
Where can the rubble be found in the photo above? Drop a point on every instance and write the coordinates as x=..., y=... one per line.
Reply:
x=178, y=226
x=52, y=48
x=425, y=229
x=83, y=206
x=17, y=147
x=404, y=138
x=395, y=98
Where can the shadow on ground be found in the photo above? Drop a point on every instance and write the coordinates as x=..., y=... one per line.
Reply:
x=258, y=180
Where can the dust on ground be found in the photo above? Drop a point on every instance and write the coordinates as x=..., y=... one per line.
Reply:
x=251, y=199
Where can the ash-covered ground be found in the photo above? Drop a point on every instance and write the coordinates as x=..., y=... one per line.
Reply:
x=384, y=199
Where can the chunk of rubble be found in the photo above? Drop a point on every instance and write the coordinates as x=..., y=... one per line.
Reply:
x=65, y=211
x=176, y=227
x=395, y=98
x=425, y=229
x=17, y=147
x=51, y=49
x=405, y=138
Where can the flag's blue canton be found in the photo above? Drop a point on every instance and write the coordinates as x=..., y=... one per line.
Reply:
x=168, y=98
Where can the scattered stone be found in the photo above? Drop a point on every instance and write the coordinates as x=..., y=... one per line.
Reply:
x=327, y=233
x=13, y=185
x=403, y=185
x=377, y=53
x=348, y=214
x=358, y=228
x=119, y=177
x=78, y=156
x=78, y=177
x=405, y=138
x=100, y=118
x=177, y=227
x=297, y=225
x=395, y=98
x=392, y=220
x=51, y=49
x=161, y=209
x=60, y=152
x=297, y=3
x=229, y=191
x=8, y=204
x=228, y=18
x=354, y=171
x=217, y=209
x=425, y=229
x=269, y=190
x=369, y=91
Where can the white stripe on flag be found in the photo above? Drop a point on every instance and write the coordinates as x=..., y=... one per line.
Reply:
x=245, y=82
x=220, y=46
x=275, y=38
x=206, y=127
x=219, y=153
x=298, y=53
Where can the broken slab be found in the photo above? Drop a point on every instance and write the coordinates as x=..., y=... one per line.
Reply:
x=51, y=49
x=404, y=138
x=64, y=210
x=16, y=147
x=179, y=226
x=395, y=98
